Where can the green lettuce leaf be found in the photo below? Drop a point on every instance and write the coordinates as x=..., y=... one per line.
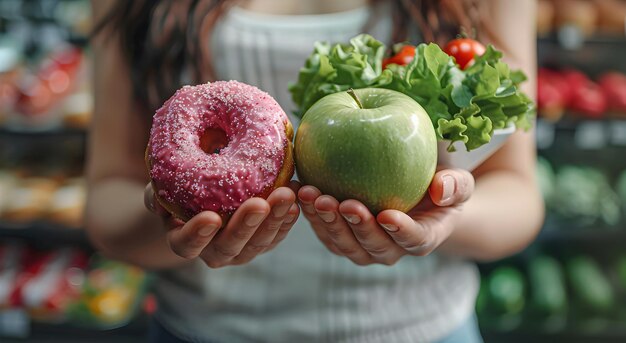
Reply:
x=463, y=105
x=335, y=68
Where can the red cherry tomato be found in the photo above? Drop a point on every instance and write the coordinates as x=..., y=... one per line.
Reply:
x=403, y=57
x=464, y=50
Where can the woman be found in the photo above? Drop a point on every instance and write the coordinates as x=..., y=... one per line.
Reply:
x=341, y=274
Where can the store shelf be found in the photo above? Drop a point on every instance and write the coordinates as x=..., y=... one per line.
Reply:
x=593, y=41
x=565, y=337
x=594, y=55
x=44, y=134
x=135, y=331
x=591, y=235
x=44, y=233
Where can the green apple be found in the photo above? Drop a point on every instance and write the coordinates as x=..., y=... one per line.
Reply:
x=374, y=145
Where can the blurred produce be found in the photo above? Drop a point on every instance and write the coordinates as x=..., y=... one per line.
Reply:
x=29, y=199
x=621, y=189
x=579, y=14
x=621, y=272
x=585, y=195
x=611, y=16
x=65, y=284
x=591, y=289
x=586, y=97
x=43, y=283
x=111, y=293
x=553, y=94
x=26, y=199
x=49, y=274
x=613, y=84
x=582, y=17
x=506, y=291
x=552, y=293
x=67, y=204
x=9, y=76
x=53, y=81
x=571, y=90
x=547, y=286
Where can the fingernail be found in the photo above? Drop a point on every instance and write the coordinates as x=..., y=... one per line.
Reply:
x=280, y=210
x=207, y=230
x=389, y=227
x=352, y=218
x=448, y=188
x=254, y=219
x=328, y=217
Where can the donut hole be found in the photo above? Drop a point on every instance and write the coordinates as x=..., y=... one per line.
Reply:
x=213, y=140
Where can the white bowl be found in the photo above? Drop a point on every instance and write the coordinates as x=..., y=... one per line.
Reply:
x=469, y=160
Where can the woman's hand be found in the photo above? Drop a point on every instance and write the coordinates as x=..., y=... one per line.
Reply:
x=349, y=229
x=257, y=226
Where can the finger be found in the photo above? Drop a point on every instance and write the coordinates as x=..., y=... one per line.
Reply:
x=280, y=201
x=369, y=234
x=306, y=198
x=190, y=239
x=290, y=220
x=241, y=227
x=415, y=237
x=151, y=202
x=451, y=187
x=338, y=230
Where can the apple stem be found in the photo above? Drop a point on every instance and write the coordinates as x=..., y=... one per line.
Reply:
x=355, y=97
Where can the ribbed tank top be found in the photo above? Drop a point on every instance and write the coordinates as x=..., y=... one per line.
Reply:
x=301, y=292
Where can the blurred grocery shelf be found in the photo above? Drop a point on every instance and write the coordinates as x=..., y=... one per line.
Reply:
x=53, y=286
x=44, y=233
x=570, y=284
x=64, y=333
x=57, y=133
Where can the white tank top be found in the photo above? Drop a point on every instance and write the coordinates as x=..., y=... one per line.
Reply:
x=300, y=292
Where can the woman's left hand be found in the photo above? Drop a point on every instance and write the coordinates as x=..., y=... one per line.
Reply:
x=349, y=229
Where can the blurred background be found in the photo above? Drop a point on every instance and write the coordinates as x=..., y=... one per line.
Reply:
x=569, y=286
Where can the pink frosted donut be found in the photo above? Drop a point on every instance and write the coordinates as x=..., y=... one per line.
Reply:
x=215, y=145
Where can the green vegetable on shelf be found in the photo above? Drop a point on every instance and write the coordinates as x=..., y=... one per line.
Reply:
x=591, y=288
x=620, y=188
x=621, y=272
x=482, y=298
x=547, y=286
x=584, y=194
x=507, y=290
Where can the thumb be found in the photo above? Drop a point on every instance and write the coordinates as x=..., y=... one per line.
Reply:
x=151, y=203
x=451, y=187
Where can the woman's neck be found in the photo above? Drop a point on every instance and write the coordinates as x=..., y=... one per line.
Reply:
x=301, y=7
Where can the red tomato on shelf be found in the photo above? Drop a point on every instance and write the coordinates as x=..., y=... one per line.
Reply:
x=586, y=97
x=464, y=50
x=613, y=85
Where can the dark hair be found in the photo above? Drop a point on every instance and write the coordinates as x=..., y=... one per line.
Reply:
x=159, y=40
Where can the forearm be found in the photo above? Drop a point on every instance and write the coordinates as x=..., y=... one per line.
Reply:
x=501, y=218
x=121, y=227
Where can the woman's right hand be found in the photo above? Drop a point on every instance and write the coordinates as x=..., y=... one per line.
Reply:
x=257, y=226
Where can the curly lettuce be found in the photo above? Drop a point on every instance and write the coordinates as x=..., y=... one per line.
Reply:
x=463, y=105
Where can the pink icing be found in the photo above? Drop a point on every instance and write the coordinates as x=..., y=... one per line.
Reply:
x=196, y=181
